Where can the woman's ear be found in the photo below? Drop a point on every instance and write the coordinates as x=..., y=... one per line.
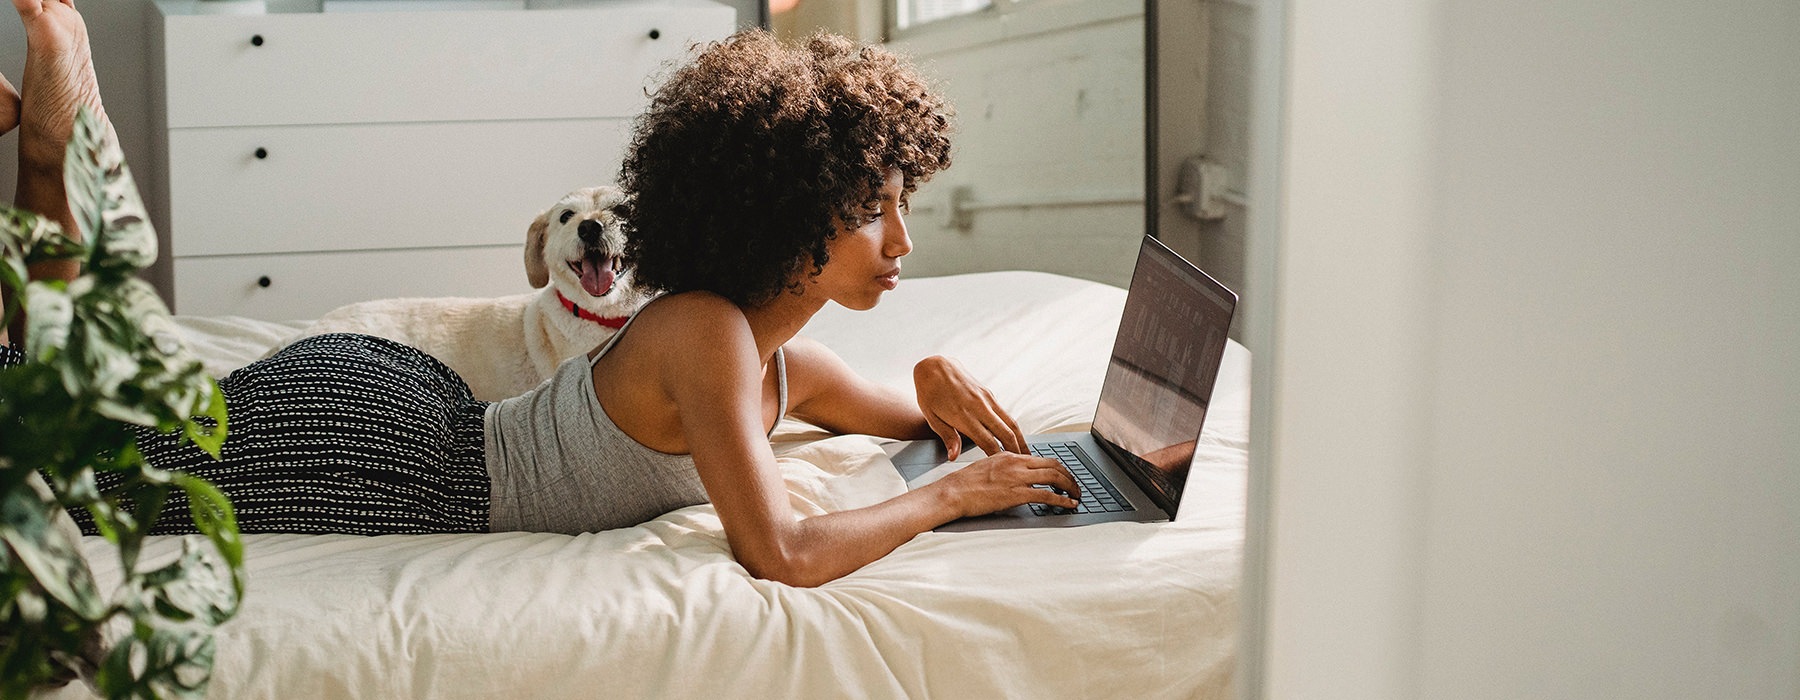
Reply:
x=535, y=270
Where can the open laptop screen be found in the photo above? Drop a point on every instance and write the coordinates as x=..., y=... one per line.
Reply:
x=1171, y=339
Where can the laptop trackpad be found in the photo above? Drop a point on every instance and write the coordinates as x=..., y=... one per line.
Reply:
x=921, y=462
x=938, y=472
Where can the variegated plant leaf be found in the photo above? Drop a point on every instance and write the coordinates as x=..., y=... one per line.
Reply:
x=31, y=238
x=49, y=312
x=104, y=350
x=173, y=377
x=28, y=530
x=138, y=300
x=105, y=200
x=197, y=586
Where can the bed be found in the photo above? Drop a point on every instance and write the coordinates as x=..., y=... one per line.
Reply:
x=662, y=610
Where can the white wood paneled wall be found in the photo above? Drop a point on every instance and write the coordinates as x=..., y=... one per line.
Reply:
x=1050, y=102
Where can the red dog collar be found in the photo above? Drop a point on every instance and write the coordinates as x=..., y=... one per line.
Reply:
x=613, y=322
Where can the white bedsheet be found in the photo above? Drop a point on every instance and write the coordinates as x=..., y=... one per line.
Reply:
x=662, y=610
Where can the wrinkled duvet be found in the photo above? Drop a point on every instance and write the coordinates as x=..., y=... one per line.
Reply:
x=661, y=610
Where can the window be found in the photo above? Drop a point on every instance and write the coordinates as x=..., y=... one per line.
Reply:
x=912, y=13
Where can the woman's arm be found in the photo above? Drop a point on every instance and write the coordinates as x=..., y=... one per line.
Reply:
x=950, y=402
x=715, y=382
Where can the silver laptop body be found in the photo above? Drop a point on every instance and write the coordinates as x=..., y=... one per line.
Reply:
x=1152, y=406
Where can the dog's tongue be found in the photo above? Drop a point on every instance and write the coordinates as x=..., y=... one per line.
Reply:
x=596, y=274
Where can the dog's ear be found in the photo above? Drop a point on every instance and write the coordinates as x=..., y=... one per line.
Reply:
x=535, y=269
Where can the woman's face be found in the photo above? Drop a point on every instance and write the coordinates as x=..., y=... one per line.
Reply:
x=865, y=255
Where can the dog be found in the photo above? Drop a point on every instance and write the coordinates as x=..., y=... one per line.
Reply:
x=506, y=346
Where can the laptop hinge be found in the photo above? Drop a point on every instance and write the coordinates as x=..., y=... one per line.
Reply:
x=1130, y=463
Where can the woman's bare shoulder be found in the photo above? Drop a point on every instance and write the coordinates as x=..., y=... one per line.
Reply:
x=695, y=301
x=814, y=370
x=692, y=330
x=807, y=347
x=810, y=356
x=691, y=317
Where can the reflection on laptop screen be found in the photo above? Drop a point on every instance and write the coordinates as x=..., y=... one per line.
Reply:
x=1171, y=339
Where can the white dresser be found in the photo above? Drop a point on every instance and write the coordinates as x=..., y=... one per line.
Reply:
x=309, y=160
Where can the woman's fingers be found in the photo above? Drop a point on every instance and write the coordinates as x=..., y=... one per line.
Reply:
x=984, y=437
x=990, y=427
x=1058, y=476
x=1005, y=433
x=952, y=439
x=1016, y=436
x=1050, y=498
x=1006, y=480
x=952, y=429
x=985, y=431
x=948, y=391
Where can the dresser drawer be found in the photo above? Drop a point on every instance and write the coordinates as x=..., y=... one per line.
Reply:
x=364, y=187
x=307, y=286
x=329, y=68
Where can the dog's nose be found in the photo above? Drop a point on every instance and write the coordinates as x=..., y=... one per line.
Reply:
x=589, y=230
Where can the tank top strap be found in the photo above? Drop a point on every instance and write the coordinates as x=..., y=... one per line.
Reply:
x=604, y=347
x=780, y=387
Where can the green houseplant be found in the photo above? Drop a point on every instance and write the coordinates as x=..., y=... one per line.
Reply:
x=103, y=355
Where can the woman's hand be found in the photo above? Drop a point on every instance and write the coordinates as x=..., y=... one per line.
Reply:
x=1005, y=480
x=954, y=404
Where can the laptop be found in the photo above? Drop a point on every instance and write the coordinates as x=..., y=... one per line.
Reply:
x=1133, y=463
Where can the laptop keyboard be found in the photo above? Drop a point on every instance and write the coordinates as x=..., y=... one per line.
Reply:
x=1097, y=494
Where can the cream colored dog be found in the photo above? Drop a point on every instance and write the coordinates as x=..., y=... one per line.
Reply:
x=505, y=346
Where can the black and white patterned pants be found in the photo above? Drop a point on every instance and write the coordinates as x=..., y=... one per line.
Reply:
x=337, y=434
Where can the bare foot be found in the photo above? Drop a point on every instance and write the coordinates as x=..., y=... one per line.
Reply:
x=59, y=78
x=9, y=106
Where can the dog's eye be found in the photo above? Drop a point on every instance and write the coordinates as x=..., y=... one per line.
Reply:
x=566, y=216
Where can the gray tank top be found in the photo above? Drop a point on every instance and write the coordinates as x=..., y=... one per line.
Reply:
x=557, y=463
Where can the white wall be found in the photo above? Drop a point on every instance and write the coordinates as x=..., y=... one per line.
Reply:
x=1534, y=381
x=1050, y=104
x=1205, y=71
x=858, y=19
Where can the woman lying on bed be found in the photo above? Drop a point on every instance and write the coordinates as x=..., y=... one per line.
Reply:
x=763, y=182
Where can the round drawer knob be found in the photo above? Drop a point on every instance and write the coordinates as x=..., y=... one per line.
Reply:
x=656, y=33
x=264, y=281
x=256, y=40
x=262, y=153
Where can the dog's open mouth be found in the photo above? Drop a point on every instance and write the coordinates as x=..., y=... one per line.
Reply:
x=598, y=271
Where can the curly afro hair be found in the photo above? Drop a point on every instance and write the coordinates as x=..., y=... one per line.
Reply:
x=748, y=158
